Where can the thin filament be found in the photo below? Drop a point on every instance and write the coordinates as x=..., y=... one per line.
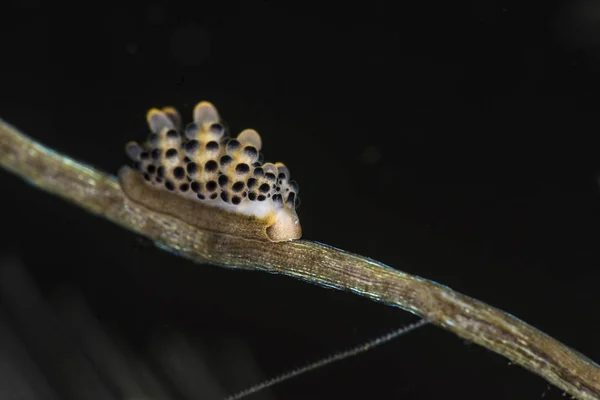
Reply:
x=328, y=360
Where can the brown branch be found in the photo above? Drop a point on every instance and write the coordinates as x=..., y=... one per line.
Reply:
x=313, y=262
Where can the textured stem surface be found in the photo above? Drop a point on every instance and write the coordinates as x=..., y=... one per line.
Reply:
x=310, y=261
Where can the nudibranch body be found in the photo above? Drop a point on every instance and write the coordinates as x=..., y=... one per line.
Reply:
x=204, y=177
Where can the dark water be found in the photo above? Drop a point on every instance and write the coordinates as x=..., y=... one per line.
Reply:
x=456, y=141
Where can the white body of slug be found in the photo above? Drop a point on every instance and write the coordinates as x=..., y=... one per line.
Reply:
x=203, y=165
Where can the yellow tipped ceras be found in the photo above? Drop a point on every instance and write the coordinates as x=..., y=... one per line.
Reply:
x=212, y=181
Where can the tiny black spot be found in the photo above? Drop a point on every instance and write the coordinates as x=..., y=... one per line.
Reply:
x=279, y=182
x=179, y=173
x=261, y=197
x=192, y=146
x=233, y=145
x=223, y=180
x=270, y=176
x=161, y=172
x=242, y=168
x=217, y=128
x=291, y=198
x=169, y=185
x=211, y=186
x=144, y=155
x=171, y=153
x=172, y=134
x=259, y=171
x=244, y=194
x=226, y=160
x=225, y=197
x=238, y=187
x=252, y=196
x=200, y=196
x=159, y=180
x=236, y=200
x=211, y=166
x=265, y=187
x=192, y=168
x=186, y=159
x=281, y=176
x=195, y=186
x=156, y=154
x=212, y=146
x=251, y=152
x=147, y=177
x=151, y=169
x=251, y=183
x=184, y=187
x=213, y=196
x=277, y=188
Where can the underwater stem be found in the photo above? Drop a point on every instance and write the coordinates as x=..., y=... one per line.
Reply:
x=310, y=261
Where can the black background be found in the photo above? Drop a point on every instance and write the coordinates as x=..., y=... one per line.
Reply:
x=452, y=140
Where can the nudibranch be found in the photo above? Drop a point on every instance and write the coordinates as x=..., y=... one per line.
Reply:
x=210, y=180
